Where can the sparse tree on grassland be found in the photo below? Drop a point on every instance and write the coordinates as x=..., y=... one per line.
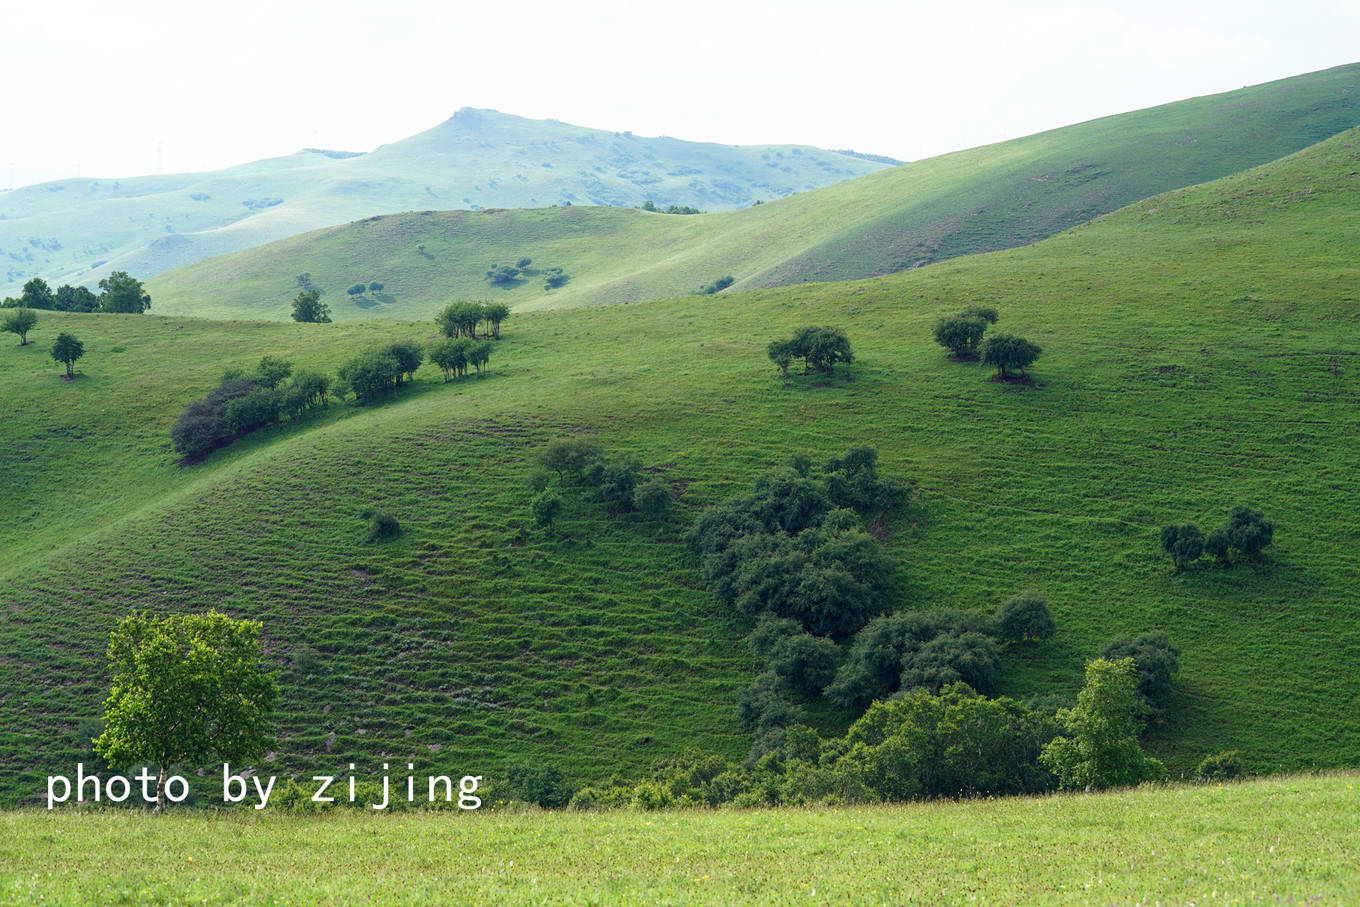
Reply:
x=67, y=350
x=309, y=309
x=1009, y=354
x=20, y=321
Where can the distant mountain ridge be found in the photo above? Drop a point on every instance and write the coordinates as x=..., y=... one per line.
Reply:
x=76, y=231
x=981, y=200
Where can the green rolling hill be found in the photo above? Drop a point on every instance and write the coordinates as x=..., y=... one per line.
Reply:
x=1199, y=351
x=76, y=231
x=980, y=200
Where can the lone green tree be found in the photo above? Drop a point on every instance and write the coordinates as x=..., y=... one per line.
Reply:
x=960, y=335
x=309, y=309
x=1101, y=747
x=67, y=350
x=20, y=321
x=121, y=292
x=185, y=688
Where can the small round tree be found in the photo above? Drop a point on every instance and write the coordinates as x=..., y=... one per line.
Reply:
x=1009, y=354
x=1026, y=616
x=67, y=350
x=20, y=321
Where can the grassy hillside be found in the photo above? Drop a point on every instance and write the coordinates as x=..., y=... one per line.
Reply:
x=1286, y=840
x=76, y=231
x=1199, y=352
x=980, y=200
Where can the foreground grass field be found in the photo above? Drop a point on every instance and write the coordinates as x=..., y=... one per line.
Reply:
x=1199, y=352
x=980, y=200
x=1279, y=841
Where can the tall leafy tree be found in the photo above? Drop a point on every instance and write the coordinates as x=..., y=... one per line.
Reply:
x=309, y=309
x=1100, y=748
x=76, y=299
x=185, y=688
x=121, y=292
x=1009, y=354
x=37, y=295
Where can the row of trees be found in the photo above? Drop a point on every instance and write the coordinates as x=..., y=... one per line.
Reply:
x=1245, y=534
x=462, y=319
x=119, y=292
x=820, y=348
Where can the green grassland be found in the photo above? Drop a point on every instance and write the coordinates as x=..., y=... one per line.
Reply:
x=980, y=200
x=1285, y=840
x=1199, y=352
x=77, y=231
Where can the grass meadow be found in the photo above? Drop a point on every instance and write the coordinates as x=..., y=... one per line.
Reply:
x=1289, y=840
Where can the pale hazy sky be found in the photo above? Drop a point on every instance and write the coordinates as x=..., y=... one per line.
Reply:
x=99, y=88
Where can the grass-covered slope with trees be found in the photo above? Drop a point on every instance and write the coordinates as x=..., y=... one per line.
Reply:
x=79, y=230
x=980, y=200
x=1198, y=353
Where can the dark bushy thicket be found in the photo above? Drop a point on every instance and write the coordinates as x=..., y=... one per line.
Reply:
x=912, y=650
x=795, y=548
x=1025, y=616
x=619, y=482
x=244, y=403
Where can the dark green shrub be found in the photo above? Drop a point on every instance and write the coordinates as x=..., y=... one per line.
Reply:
x=1009, y=354
x=804, y=662
x=545, y=507
x=252, y=410
x=950, y=658
x=652, y=498
x=1224, y=766
x=1156, y=662
x=616, y=486
x=200, y=430
x=1025, y=616
x=1249, y=531
x=765, y=704
x=539, y=784
x=382, y=526
x=568, y=457
x=960, y=335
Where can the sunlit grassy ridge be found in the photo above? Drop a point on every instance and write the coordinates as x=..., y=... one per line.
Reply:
x=1285, y=840
x=980, y=200
x=1199, y=352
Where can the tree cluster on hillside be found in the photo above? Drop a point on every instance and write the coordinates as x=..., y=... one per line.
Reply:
x=717, y=286
x=377, y=372
x=650, y=206
x=820, y=348
x=119, y=292
x=462, y=319
x=1243, y=537
x=620, y=483
x=506, y=275
x=795, y=547
x=962, y=335
x=242, y=403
